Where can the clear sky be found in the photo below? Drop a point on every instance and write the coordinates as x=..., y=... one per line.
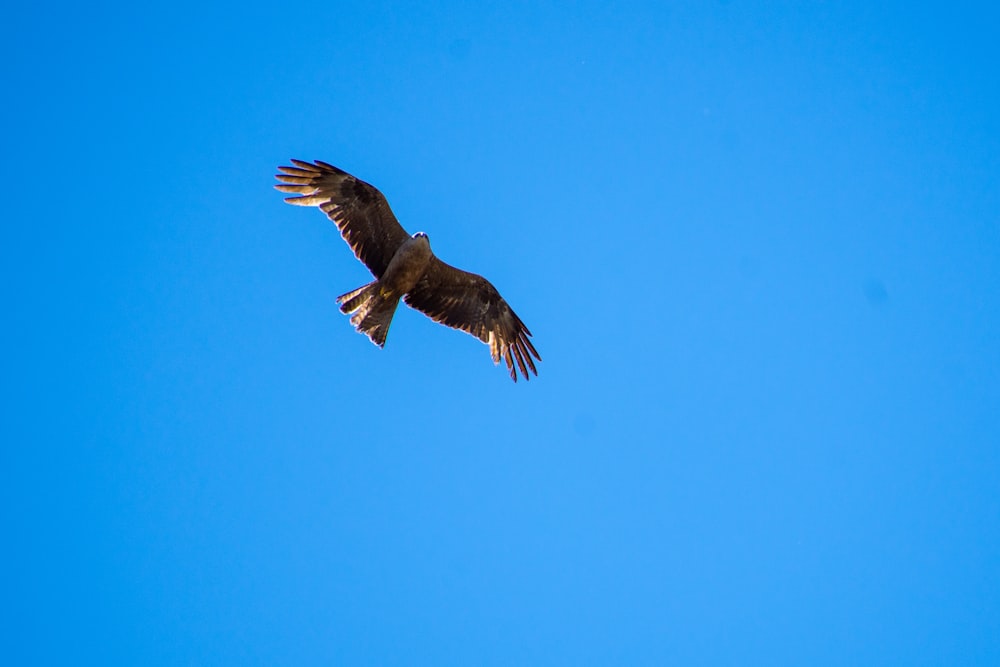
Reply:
x=758, y=245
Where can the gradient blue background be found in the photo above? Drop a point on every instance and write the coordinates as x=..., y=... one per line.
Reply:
x=758, y=245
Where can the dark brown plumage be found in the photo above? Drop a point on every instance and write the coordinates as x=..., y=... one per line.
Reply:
x=405, y=267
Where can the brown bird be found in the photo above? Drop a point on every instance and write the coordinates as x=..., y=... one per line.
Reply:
x=404, y=267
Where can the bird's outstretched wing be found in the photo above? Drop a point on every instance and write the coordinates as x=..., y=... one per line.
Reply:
x=359, y=210
x=469, y=302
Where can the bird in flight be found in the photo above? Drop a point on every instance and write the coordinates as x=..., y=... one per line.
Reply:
x=405, y=268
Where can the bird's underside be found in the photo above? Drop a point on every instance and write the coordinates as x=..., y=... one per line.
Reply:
x=405, y=268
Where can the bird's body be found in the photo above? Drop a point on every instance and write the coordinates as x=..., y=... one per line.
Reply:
x=374, y=304
x=405, y=268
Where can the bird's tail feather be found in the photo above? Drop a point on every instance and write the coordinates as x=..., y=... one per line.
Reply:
x=372, y=311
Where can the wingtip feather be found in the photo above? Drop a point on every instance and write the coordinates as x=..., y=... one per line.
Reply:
x=305, y=201
x=301, y=189
x=308, y=166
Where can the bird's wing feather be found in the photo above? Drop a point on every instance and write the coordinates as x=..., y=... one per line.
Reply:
x=359, y=210
x=469, y=302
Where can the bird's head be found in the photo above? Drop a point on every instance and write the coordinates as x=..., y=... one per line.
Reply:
x=421, y=235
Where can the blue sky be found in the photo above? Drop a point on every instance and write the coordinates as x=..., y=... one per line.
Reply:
x=758, y=246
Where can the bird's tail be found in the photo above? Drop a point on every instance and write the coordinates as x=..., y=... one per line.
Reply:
x=372, y=310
